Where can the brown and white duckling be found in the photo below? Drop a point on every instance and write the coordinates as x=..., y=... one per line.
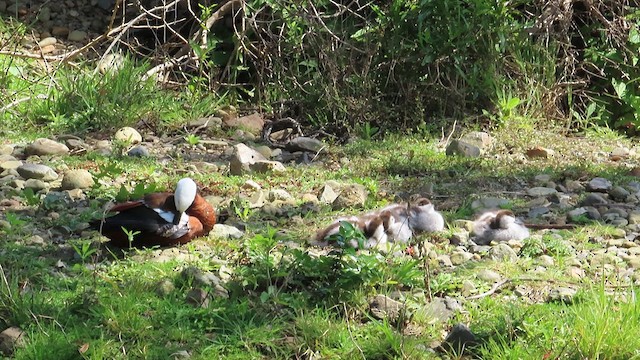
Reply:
x=498, y=225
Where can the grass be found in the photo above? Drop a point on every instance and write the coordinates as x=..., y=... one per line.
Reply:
x=77, y=300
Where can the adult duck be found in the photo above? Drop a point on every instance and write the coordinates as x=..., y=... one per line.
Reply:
x=162, y=219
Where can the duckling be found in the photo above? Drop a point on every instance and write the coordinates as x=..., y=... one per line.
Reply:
x=498, y=225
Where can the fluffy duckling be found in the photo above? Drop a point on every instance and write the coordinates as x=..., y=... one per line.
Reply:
x=498, y=225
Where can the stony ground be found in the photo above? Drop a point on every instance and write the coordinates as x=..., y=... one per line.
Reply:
x=585, y=216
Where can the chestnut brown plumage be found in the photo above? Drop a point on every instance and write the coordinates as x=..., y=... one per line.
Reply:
x=157, y=219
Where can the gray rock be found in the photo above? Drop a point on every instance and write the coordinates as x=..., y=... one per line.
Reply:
x=127, y=135
x=460, y=257
x=165, y=287
x=11, y=339
x=305, y=144
x=330, y=192
x=480, y=139
x=198, y=298
x=77, y=35
x=463, y=148
x=542, y=178
x=588, y=212
x=437, y=309
x=458, y=339
x=444, y=260
x=223, y=231
x=37, y=171
x=44, y=146
x=383, y=307
x=6, y=149
x=77, y=179
x=541, y=191
x=47, y=41
x=489, y=276
x=36, y=184
x=252, y=123
x=593, y=199
x=546, y=260
x=502, y=252
x=488, y=203
x=279, y=194
x=619, y=193
x=264, y=150
x=574, y=186
x=242, y=157
x=599, y=184
x=266, y=166
x=138, y=151
x=110, y=63
x=197, y=277
x=537, y=211
x=351, y=195
x=634, y=217
x=561, y=294
x=10, y=165
x=258, y=199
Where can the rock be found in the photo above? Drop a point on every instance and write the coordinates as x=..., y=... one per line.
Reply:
x=488, y=203
x=546, y=260
x=593, y=199
x=302, y=143
x=383, y=307
x=252, y=123
x=480, y=139
x=264, y=150
x=258, y=199
x=139, y=151
x=541, y=191
x=11, y=339
x=599, y=184
x=37, y=171
x=77, y=179
x=6, y=149
x=198, y=298
x=578, y=214
x=250, y=184
x=503, y=252
x=460, y=257
x=330, y=192
x=634, y=217
x=10, y=165
x=197, y=277
x=437, y=309
x=110, y=63
x=537, y=211
x=266, y=166
x=44, y=146
x=462, y=148
x=242, y=157
x=540, y=152
x=619, y=193
x=279, y=194
x=489, y=276
x=127, y=135
x=309, y=198
x=47, y=41
x=458, y=339
x=574, y=186
x=60, y=31
x=561, y=294
x=165, y=287
x=77, y=35
x=36, y=184
x=223, y=231
x=351, y=195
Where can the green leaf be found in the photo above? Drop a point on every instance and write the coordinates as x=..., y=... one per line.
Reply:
x=634, y=36
x=620, y=88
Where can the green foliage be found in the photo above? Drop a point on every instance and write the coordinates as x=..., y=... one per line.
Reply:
x=88, y=101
